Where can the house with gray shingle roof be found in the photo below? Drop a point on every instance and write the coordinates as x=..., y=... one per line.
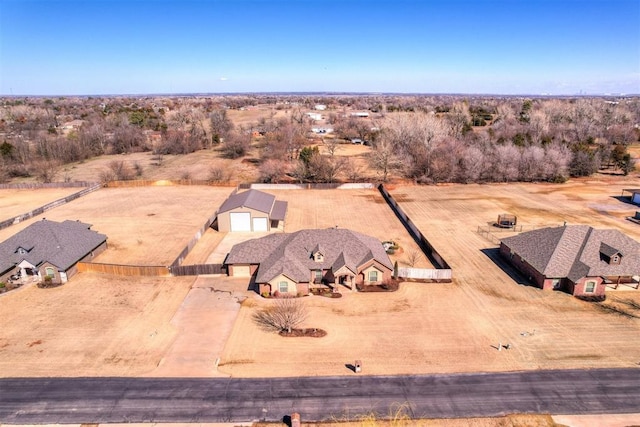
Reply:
x=49, y=248
x=577, y=259
x=251, y=210
x=292, y=263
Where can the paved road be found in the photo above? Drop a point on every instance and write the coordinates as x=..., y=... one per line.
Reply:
x=110, y=400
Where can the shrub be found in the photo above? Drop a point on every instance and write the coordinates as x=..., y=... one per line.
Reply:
x=2, y=285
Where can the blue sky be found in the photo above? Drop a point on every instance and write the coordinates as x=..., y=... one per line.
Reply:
x=563, y=47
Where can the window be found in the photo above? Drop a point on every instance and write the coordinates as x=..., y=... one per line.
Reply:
x=373, y=276
x=318, y=278
x=283, y=286
x=50, y=272
x=590, y=287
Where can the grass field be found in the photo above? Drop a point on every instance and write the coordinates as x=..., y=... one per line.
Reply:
x=14, y=202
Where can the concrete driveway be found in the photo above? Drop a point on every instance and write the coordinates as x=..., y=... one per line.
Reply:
x=204, y=322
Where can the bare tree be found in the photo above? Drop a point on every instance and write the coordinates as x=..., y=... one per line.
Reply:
x=413, y=257
x=273, y=170
x=384, y=158
x=46, y=170
x=284, y=315
x=220, y=124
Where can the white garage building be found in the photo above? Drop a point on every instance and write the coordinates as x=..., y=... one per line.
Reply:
x=251, y=210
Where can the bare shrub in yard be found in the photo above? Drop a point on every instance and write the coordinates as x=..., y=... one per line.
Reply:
x=218, y=174
x=46, y=170
x=118, y=170
x=413, y=257
x=284, y=315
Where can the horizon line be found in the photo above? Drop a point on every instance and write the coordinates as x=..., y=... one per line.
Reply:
x=322, y=93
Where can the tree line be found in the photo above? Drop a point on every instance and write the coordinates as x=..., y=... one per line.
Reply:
x=428, y=139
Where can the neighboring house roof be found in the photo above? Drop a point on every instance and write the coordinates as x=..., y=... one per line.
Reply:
x=60, y=243
x=257, y=200
x=291, y=253
x=576, y=251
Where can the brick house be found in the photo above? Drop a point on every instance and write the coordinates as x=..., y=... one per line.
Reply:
x=292, y=263
x=577, y=259
x=49, y=248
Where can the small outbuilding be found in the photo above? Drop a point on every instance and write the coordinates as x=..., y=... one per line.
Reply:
x=506, y=220
x=634, y=194
x=251, y=210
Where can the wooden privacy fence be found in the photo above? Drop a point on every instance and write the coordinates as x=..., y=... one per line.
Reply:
x=431, y=253
x=37, y=211
x=124, y=270
x=197, y=269
x=183, y=254
x=163, y=182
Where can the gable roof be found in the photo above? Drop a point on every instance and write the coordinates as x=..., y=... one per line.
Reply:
x=575, y=251
x=61, y=243
x=256, y=200
x=290, y=254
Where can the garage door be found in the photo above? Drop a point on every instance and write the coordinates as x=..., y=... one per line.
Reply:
x=260, y=224
x=241, y=271
x=240, y=221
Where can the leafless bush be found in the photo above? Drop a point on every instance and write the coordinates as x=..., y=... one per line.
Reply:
x=235, y=146
x=413, y=256
x=46, y=170
x=120, y=171
x=218, y=174
x=272, y=170
x=284, y=315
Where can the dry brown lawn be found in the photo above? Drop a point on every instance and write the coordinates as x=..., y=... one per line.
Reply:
x=364, y=211
x=195, y=166
x=439, y=328
x=95, y=325
x=144, y=225
x=14, y=202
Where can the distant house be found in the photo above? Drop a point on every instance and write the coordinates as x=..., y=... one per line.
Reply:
x=320, y=107
x=360, y=114
x=315, y=116
x=322, y=130
x=49, y=248
x=291, y=263
x=251, y=210
x=577, y=259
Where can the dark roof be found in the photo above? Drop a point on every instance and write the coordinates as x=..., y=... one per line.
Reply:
x=252, y=199
x=279, y=210
x=290, y=253
x=61, y=243
x=575, y=251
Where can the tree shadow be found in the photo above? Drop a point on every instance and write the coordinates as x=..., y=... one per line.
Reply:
x=494, y=255
x=287, y=420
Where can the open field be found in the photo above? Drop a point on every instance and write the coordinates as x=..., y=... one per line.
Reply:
x=188, y=166
x=437, y=328
x=144, y=225
x=14, y=202
x=95, y=325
